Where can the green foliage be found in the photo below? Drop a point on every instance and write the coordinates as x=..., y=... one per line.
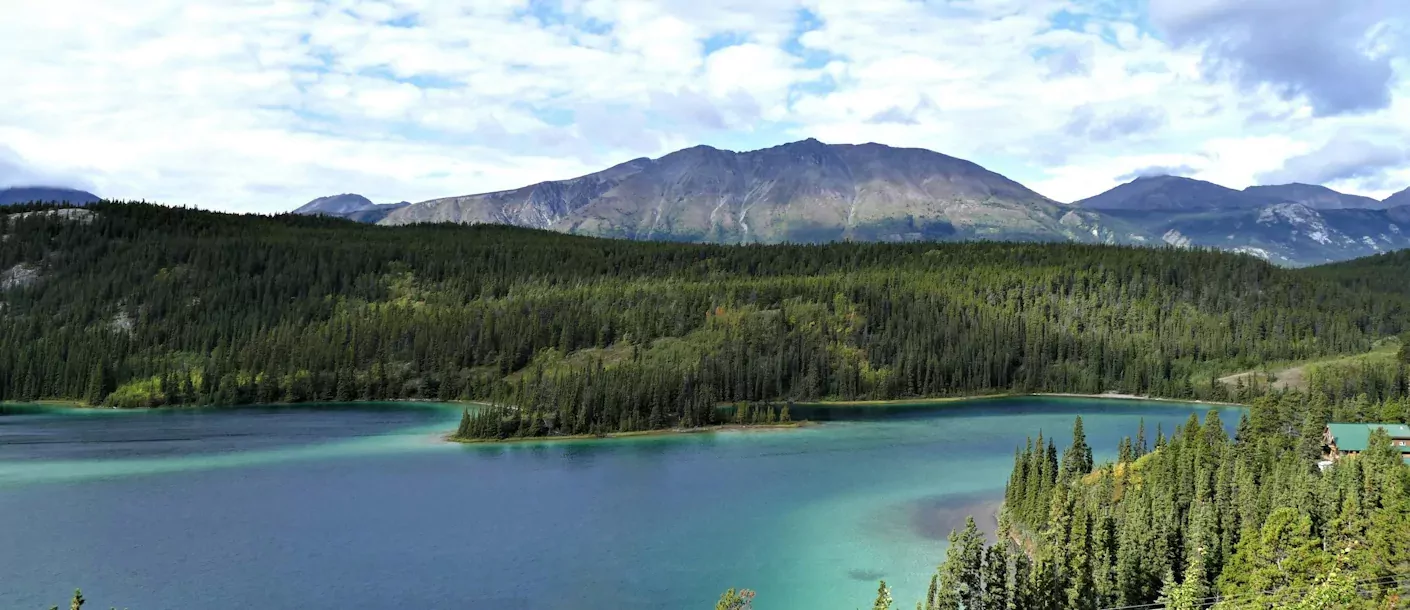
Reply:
x=1278, y=562
x=742, y=599
x=137, y=393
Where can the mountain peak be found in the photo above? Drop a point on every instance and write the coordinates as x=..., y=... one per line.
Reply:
x=1170, y=193
x=803, y=191
x=335, y=205
x=1315, y=196
x=806, y=143
x=1165, y=178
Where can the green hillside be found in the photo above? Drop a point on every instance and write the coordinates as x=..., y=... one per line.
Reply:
x=141, y=305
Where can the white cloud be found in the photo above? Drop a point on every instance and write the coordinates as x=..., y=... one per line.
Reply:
x=261, y=105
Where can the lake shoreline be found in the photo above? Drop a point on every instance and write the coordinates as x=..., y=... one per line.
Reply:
x=978, y=397
x=793, y=425
x=1188, y=401
x=79, y=406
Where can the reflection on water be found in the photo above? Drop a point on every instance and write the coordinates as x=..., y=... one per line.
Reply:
x=868, y=576
x=361, y=508
x=934, y=517
x=31, y=433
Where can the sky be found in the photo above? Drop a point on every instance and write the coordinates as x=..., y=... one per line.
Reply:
x=260, y=106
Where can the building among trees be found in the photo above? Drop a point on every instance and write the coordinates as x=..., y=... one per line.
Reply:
x=1351, y=439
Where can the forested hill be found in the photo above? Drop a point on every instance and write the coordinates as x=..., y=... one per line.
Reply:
x=136, y=304
x=1389, y=272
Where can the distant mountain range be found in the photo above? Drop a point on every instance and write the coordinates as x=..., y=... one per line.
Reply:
x=45, y=194
x=809, y=191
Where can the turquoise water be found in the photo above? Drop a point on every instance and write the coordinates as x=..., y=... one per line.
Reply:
x=360, y=507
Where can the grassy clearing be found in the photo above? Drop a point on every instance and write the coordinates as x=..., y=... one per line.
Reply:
x=1294, y=375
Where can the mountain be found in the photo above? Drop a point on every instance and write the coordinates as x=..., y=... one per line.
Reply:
x=44, y=194
x=376, y=213
x=1291, y=234
x=811, y=192
x=1172, y=194
x=805, y=191
x=1314, y=196
x=1290, y=224
x=335, y=205
x=350, y=206
x=1397, y=200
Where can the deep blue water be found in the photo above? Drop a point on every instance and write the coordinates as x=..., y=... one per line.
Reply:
x=362, y=508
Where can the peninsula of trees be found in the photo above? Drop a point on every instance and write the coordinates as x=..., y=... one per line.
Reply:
x=134, y=305
x=1199, y=520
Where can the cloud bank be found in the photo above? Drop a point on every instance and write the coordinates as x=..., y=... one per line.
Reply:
x=262, y=105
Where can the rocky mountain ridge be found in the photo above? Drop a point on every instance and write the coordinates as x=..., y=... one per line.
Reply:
x=813, y=192
x=800, y=192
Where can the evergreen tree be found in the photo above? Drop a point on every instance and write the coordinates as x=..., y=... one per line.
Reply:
x=1077, y=460
x=971, y=566
x=742, y=599
x=997, y=593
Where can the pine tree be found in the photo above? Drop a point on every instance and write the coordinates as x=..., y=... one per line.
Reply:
x=1077, y=460
x=971, y=566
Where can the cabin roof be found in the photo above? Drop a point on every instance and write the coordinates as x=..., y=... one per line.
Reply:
x=1355, y=437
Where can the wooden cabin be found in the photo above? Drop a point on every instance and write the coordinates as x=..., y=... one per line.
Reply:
x=1350, y=439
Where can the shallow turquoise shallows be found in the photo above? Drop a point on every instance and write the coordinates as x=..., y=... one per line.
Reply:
x=361, y=507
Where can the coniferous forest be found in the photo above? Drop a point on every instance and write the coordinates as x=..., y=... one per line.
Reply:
x=140, y=305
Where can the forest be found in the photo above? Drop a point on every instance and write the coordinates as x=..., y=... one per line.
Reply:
x=137, y=305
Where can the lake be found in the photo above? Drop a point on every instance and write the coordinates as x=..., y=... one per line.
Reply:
x=360, y=506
